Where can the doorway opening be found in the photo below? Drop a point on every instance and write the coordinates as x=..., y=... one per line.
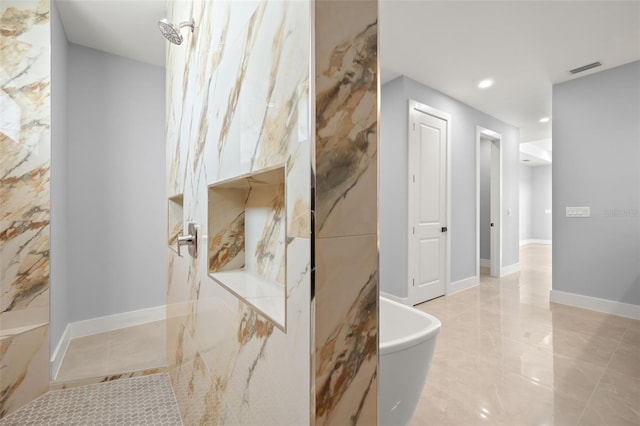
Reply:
x=488, y=201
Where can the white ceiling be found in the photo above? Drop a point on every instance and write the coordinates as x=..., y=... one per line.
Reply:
x=536, y=153
x=525, y=46
x=126, y=28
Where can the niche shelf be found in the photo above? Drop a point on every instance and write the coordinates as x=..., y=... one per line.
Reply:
x=175, y=211
x=246, y=243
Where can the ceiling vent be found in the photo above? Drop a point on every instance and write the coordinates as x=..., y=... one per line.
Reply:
x=585, y=67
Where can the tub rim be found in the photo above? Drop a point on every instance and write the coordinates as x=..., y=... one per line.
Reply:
x=413, y=339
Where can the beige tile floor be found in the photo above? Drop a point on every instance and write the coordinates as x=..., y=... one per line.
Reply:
x=506, y=356
x=115, y=352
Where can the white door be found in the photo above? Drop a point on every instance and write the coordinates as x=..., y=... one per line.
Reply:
x=428, y=141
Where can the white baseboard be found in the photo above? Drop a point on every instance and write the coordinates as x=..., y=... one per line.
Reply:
x=460, y=285
x=510, y=269
x=102, y=325
x=595, y=304
x=403, y=300
x=117, y=321
x=526, y=242
x=485, y=263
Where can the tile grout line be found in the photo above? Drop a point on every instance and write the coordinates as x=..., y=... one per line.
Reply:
x=606, y=368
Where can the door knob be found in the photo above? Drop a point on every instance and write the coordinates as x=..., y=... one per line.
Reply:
x=190, y=240
x=492, y=224
x=443, y=229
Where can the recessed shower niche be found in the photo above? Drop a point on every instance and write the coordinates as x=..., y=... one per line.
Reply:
x=246, y=246
x=174, y=220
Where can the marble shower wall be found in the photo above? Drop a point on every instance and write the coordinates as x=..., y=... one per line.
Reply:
x=242, y=99
x=346, y=219
x=25, y=121
x=238, y=103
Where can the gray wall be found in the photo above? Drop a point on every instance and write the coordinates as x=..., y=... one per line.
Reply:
x=596, y=157
x=117, y=226
x=485, y=199
x=59, y=309
x=526, y=225
x=393, y=182
x=535, y=202
x=393, y=188
x=541, y=203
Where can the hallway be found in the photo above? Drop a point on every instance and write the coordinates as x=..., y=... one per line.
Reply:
x=506, y=356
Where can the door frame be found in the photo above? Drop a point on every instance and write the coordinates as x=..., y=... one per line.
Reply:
x=497, y=138
x=411, y=166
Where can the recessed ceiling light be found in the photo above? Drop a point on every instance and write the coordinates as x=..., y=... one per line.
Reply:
x=544, y=120
x=486, y=83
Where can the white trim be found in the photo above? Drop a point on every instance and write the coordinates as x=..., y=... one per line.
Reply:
x=117, y=321
x=595, y=304
x=485, y=263
x=412, y=104
x=527, y=242
x=58, y=354
x=509, y=269
x=102, y=325
x=449, y=140
x=461, y=285
x=497, y=264
x=478, y=200
x=403, y=300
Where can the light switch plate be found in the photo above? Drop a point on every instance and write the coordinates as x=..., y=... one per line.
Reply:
x=578, y=211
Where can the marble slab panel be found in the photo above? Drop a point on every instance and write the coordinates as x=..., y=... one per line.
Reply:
x=346, y=216
x=25, y=153
x=25, y=120
x=226, y=244
x=346, y=78
x=175, y=220
x=346, y=330
x=24, y=368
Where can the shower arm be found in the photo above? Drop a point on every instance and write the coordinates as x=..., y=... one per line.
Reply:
x=191, y=24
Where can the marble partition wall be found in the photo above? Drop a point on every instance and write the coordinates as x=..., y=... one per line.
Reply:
x=243, y=99
x=25, y=118
x=238, y=105
x=346, y=212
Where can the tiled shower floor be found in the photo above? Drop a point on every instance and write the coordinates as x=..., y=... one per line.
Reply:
x=147, y=400
x=140, y=347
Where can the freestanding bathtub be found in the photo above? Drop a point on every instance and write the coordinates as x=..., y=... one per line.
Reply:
x=407, y=341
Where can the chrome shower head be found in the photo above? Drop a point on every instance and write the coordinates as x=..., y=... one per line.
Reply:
x=171, y=31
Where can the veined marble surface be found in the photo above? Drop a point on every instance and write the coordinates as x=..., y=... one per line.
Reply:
x=25, y=119
x=346, y=245
x=24, y=154
x=24, y=368
x=238, y=102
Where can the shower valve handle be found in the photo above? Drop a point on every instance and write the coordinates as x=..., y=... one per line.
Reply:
x=190, y=240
